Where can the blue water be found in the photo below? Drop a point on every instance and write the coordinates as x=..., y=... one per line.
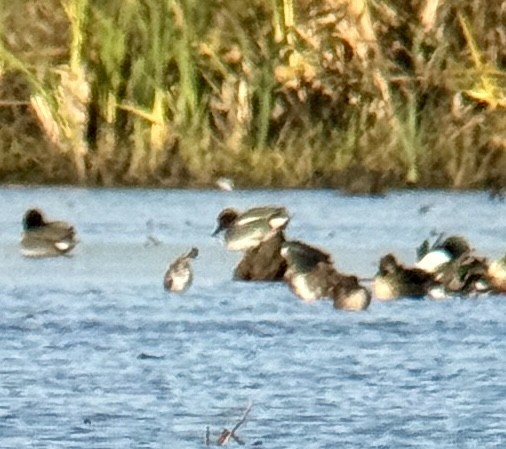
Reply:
x=95, y=354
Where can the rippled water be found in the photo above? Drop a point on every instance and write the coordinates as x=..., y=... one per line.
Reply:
x=94, y=353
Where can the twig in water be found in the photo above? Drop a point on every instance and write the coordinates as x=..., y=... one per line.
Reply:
x=208, y=434
x=226, y=434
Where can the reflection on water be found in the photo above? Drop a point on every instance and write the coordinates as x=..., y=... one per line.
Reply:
x=93, y=351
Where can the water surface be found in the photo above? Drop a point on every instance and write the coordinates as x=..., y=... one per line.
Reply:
x=94, y=353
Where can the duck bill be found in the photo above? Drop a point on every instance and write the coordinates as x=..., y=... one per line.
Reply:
x=218, y=229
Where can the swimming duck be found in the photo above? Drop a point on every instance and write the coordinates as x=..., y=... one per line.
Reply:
x=311, y=275
x=346, y=292
x=432, y=257
x=464, y=275
x=454, y=265
x=258, y=232
x=231, y=216
x=42, y=238
x=393, y=280
x=497, y=274
x=264, y=262
x=349, y=294
x=247, y=230
x=305, y=277
x=179, y=275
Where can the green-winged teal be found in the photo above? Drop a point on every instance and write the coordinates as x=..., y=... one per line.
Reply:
x=393, y=280
x=432, y=257
x=42, y=238
x=464, y=275
x=179, y=275
x=248, y=229
x=454, y=265
x=311, y=275
x=258, y=232
x=305, y=278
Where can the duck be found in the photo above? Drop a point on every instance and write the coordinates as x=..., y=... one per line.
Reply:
x=465, y=275
x=264, y=262
x=345, y=290
x=431, y=258
x=44, y=238
x=393, y=280
x=454, y=265
x=349, y=294
x=259, y=233
x=496, y=274
x=247, y=230
x=311, y=276
x=307, y=269
x=179, y=274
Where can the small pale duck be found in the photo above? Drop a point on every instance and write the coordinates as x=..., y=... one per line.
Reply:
x=311, y=275
x=179, y=275
x=497, y=275
x=348, y=294
x=247, y=230
x=393, y=280
x=344, y=290
x=42, y=238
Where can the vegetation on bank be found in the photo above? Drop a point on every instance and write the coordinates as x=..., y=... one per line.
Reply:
x=345, y=93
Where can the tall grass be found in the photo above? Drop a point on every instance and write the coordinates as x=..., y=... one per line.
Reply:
x=271, y=93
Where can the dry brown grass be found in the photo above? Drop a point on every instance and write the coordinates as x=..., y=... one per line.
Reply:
x=348, y=93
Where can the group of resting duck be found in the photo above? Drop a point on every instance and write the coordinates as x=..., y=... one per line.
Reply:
x=448, y=267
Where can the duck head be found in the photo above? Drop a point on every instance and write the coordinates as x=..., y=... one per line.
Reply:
x=388, y=264
x=455, y=246
x=33, y=218
x=226, y=219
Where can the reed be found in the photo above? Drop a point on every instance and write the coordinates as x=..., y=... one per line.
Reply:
x=278, y=93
